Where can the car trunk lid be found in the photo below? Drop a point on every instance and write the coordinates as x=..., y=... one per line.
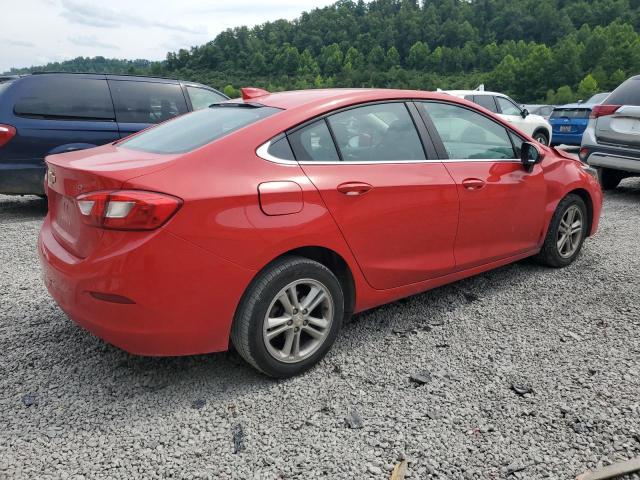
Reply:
x=72, y=174
x=622, y=127
x=569, y=120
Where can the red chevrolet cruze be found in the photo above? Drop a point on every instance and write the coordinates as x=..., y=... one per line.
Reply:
x=266, y=221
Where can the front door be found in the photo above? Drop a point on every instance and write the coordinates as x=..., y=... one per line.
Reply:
x=502, y=207
x=397, y=210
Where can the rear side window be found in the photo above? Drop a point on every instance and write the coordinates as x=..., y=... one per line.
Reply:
x=314, y=142
x=146, y=102
x=626, y=94
x=65, y=98
x=202, y=98
x=571, y=113
x=486, y=101
x=196, y=129
x=468, y=135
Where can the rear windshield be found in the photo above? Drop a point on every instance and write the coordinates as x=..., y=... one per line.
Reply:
x=626, y=94
x=570, y=113
x=196, y=129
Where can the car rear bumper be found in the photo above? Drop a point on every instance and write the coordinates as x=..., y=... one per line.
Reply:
x=567, y=138
x=183, y=298
x=614, y=161
x=22, y=178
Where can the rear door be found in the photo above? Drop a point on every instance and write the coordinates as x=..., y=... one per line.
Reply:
x=623, y=126
x=140, y=104
x=396, y=205
x=502, y=206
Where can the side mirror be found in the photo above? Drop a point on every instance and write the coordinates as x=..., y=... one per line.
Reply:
x=530, y=155
x=524, y=113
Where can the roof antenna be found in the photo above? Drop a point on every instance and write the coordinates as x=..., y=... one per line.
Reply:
x=480, y=88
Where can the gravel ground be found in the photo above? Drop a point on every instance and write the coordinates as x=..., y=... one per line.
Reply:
x=72, y=406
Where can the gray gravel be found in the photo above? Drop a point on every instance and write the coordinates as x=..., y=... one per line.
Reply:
x=73, y=407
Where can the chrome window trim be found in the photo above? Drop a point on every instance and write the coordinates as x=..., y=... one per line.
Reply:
x=262, y=152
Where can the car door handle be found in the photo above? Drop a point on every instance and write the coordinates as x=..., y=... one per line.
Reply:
x=473, y=183
x=354, y=188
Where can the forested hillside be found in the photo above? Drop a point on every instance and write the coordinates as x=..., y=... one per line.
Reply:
x=535, y=50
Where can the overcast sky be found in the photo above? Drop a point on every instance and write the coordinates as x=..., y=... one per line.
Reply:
x=34, y=32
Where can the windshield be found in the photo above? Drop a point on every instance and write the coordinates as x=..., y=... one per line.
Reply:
x=196, y=129
x=571, y=113
x=598, y=98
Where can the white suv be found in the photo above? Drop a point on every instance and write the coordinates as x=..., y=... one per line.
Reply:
x=507, y=109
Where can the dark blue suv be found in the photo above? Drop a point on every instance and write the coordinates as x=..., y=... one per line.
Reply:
x=47, y=113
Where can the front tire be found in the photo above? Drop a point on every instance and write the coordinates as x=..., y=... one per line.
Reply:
x=289, y=317
x=566, y=233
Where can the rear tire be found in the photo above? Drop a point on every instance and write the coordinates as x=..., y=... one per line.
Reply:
x=289, y=317
x=566, y=233
x=609, y=179
x=541, y=137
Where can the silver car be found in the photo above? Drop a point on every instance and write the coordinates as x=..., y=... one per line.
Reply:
x=611, y=142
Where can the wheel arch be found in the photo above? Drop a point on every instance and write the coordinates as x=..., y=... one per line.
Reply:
x=544, y=130
x=586, y=197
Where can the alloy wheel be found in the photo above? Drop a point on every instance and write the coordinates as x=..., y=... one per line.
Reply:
x=569, y=232
x=298, y=320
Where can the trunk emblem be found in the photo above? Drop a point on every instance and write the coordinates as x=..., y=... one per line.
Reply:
x=51, y=176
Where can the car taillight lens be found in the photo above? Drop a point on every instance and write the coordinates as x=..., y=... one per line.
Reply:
x=127, y=209
x=603, y=110
x=7, y=132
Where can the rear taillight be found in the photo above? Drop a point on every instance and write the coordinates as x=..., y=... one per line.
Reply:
x=7, y=132
x=583, y=154
x=603, y=110
x=127, y=209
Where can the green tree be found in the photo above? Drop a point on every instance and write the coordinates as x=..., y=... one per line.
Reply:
x=418, y=55
x=231, y=92
x=587, y=87
x=392, y=59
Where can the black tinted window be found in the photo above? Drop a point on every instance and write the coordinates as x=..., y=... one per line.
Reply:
x=64, y=97
x=146, y=102
x=376, y=132
x=196, y=129
x=487, y=102
x=626, y=94
x=571, y=113
x=314, y=142
x=280, y=148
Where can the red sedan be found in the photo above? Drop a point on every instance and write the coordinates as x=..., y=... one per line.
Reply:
x=266, y=221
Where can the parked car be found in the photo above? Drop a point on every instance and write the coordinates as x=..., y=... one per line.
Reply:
x=543, y=111
x=570, y=121
x=48, y=113
x=611, y=141
x=269, y=219
x=507, y=109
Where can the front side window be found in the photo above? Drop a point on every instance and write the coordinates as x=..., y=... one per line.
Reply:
x=468, y=135
x=314, y=143
x=146, y=102
x=196, y=129
x=507, y=107
x=64, y=98
x=380, y=132
x=202, y=98
x=486, y=101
